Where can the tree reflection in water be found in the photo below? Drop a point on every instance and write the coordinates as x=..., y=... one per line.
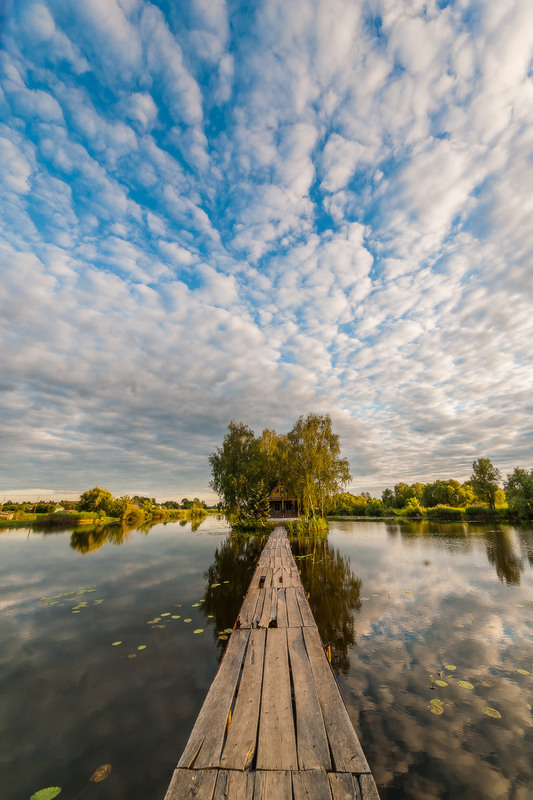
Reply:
x=228, y=579
x=499, y=543
x=334, y=594
x=326, y=575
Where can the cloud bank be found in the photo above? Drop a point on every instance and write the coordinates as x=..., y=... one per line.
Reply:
x=212, y=212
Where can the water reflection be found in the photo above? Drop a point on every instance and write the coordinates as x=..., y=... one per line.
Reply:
x=334, y=594
x=501, y=543
x=228, y=579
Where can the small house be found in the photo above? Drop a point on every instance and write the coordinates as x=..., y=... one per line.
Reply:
x=283, y=503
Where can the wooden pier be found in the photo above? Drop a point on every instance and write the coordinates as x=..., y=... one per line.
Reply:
x=273, y=725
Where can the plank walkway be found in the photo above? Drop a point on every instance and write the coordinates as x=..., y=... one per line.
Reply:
x=273, y=725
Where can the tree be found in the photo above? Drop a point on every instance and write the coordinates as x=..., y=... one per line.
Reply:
x=258, y=507
x=312, y=464
x=484, y=479
x=518, y=488
x=237, y=467
x=387, y=497
x=96, y=499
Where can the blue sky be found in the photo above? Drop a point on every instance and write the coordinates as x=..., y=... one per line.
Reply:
x=216, y=210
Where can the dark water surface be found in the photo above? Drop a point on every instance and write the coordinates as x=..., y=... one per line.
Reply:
x=397, y=603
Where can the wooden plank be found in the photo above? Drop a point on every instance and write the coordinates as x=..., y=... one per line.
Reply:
x=267, y=606
x=272, y=785
x=293, y=611
x=205, y=742
x=308, y=785
x=233, y=785
x=305, y=608
x=369, y=790
x=282, y=609
x=344, y=786
x=189, y=784
x=345, y=748
x=311, y=739
x=240, y=745
x=259, y=608
x=247, y=612
x=276, y=748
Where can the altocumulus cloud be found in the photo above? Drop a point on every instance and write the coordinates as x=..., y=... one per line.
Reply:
x=212, y=211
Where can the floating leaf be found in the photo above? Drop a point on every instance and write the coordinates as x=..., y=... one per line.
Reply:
x=465, y=684
x=486, y=683
x=199, y=630
x=46, y=794
x=166, y=614
x=519, y=605
x=132, y=655
x=97, y=602
x=365, y=598
x=441, y=683
x=214, y=585
x=101, y=773
x=523, y=671
x=114, y=644
x=175, y=616
x=187, y=620
x=178, y=605
x=491, y=712
x=449, y=667
x=142, y=647
x=75, y=612
x=225, y=581
x=228, y=630
x=156, y=619
x=436, y=707
x=195, y=605
x=210, y=616
x=223, y=637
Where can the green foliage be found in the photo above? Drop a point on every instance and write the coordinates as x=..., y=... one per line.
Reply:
x=316, y=526
x=96, y=499
x=348, y=504
x=258, y=507
x=312, y=464
x=252, y=526
x=484, y=479
x=413, y=509
x=518, y=488
x=237, y=468
x=445, y=512
x=375, y=508
x=482, y=513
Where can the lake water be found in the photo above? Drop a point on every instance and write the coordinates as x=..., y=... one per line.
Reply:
x=396, y=602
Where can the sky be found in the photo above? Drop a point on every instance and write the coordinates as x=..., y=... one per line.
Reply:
x=218, y=210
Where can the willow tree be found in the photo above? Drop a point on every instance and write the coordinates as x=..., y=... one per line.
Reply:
x=312, y=465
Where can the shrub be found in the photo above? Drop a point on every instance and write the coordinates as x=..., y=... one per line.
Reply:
x=307, y=527
x=445, y=512
x=483, y=513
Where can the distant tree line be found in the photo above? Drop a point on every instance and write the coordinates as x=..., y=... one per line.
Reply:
x=481, y=491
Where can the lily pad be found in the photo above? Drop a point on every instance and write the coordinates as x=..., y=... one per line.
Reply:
x=97, y=602
x=46, y=794
x=491, y=712
x=364, y=598
x=166, y=614
x=132, y=655
x=436, y=707
x=449, y=667
x=199, y=630
x=210, y=616
x=214, y=585
x=176, y=616
x=101, y=773
x=195, y=605
x=223, y=637
x=465, y=684
x=142, y=647
x=523, y=671
x=228, y=630
x=75, y=612
x=187, y=620
x=114, y=644
x=486, y=683
x=441, y=683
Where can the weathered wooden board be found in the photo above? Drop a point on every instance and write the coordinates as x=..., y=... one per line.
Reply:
x=276, y=749
x=307, y=785
x=205, y=742
x=345, y=748
x=344, y=786
x=293, y=609
x=311, y=739
x=232, y=785
x=272, y=785
x=240, y=745
x=191, y=784
x=368, y=787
